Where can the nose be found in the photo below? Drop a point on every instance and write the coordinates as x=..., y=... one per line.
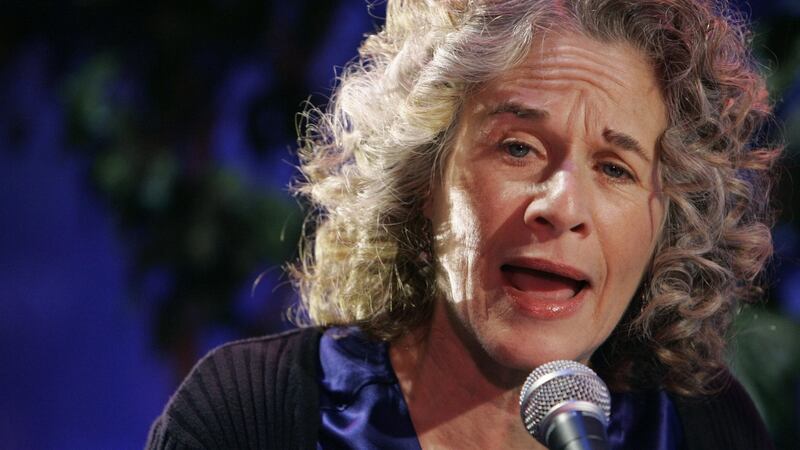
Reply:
x=561, y=206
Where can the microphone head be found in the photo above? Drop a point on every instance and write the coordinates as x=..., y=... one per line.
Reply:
x=560, y=386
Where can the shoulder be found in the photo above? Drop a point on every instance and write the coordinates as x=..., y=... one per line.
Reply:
x=233, y=395
x=287, y=351
x=727, y=419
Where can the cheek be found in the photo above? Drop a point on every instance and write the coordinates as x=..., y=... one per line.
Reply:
x=465, y=215
x=465, y=218
x=473, y=205
x=628, y=247
x=456, y=231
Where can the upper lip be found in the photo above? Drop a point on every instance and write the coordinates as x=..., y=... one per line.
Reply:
x=554, y=267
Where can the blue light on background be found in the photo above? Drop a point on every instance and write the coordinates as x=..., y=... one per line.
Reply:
x=77, y=365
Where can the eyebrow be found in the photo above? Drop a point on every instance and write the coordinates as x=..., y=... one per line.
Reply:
x=625, y=142
x=520, y=111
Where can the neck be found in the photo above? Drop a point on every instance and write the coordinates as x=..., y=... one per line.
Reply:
x=456, y=394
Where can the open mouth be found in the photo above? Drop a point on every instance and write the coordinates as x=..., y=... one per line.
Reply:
x=546, y=285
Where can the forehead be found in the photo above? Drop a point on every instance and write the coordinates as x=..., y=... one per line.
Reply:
x=561, y=54
x=611, y=83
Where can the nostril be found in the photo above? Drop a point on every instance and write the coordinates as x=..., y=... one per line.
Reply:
x=578, y=228
x=553, y=224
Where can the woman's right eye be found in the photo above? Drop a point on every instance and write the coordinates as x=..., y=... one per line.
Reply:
x=517, y=149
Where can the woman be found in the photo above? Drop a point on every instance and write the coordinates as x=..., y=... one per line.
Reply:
x=499, y=184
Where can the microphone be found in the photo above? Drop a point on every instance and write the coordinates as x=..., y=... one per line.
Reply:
x=566, y=406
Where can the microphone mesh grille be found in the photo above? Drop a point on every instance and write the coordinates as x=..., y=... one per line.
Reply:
x=556, y=382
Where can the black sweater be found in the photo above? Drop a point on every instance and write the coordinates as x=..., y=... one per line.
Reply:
x=262, y=393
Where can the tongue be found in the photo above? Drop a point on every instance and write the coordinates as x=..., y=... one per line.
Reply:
x=546, y=285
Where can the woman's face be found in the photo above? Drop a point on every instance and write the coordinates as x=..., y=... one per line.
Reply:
x=548, y=210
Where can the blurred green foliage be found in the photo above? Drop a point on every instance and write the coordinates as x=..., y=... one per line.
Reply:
x=765, y=355
x=206, y=228
x=765, y=345
x=143, y=91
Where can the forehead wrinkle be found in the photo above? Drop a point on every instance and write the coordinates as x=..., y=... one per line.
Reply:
x=579, y=109
x=580, y=59
x=539, y=76
x=562, y=73
x=565, y=61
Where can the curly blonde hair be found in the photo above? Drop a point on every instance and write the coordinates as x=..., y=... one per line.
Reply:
x=370, y=159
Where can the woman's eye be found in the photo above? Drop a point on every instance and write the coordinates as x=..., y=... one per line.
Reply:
x=517, y=149
x=614, y=171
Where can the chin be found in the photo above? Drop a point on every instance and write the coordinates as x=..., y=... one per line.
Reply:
x=518, y=350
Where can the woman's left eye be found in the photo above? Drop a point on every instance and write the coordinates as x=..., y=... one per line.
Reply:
x=615, y=171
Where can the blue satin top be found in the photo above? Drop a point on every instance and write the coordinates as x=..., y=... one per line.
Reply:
x=362, y=406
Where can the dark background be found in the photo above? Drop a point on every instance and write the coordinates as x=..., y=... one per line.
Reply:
x=145, y=150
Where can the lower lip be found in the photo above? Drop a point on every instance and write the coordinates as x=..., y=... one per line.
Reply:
x=534, y=306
